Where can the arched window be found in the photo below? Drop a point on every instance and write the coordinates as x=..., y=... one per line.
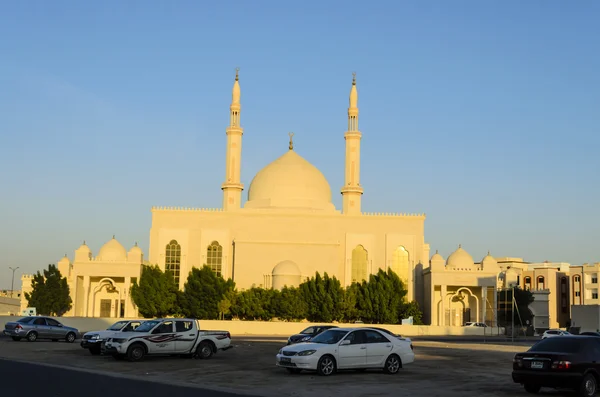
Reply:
x=214, y=257
x=540, y=283
x=359, y=264
x=173, y=259
x=400, y=264
x=527, y=283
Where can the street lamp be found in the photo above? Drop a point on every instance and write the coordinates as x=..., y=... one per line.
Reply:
x=12, y=285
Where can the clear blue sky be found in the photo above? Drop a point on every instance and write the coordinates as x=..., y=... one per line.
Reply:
x=488, y=113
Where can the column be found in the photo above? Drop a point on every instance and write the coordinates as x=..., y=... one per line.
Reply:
x=444, y=291
x=86, y=295
x=484, y=302
x=127, y=297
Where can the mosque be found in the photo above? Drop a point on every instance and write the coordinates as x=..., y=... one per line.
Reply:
x=287, y=230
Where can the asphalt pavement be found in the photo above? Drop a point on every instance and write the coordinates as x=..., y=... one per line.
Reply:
x=33, y=379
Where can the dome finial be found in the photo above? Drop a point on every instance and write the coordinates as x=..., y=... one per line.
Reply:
x=436, y=251
x=83, y=242
x=113, y=236
x=489, y=252
x=353, y=78
x=237, y=75
x=459, y=245
x=291, y=146
x=135, y=244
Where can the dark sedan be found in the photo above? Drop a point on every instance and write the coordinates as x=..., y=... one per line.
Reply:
x=306, y=334
x=568, y=362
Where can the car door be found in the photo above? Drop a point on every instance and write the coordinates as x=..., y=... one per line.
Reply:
x=162, y=339
x=185, y=336
x=39, y=326
x=353, y=355
x=55, y=329
x=378, y=348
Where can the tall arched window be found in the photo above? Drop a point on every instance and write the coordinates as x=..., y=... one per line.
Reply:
x=540, y=283
x=527, y=282
x=173, y=259
x=214, y=257
x=360, y=260
x=400, y=264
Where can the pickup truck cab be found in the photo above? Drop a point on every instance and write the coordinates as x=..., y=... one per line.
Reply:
x=93, y=340
x=167, y=336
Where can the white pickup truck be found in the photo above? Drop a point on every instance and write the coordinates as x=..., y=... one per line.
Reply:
x=167, y=336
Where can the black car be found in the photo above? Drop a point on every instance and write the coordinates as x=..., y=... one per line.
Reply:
x=308, y=333
x=564, y=362
x=590, y=333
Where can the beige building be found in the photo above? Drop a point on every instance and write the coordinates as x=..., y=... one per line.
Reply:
x=287, y=230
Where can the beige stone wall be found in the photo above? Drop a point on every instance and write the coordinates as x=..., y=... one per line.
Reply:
x=263, y=238
x=281, y=329
x=9, y=306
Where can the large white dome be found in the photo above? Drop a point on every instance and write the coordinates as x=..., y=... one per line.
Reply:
x=290, y=182
x=112, y=251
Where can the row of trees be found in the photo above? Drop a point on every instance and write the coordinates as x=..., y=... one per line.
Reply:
x=205, y=295
x=50, y=293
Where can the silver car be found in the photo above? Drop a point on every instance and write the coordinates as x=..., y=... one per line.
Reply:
x=34, y=328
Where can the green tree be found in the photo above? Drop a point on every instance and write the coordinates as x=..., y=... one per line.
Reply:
x=288, y=304
x=380, y=299
x=324, y=298
x=203, y=292
x=255, y=304
x=408, y=309
x=156, y=295
x=50, y=293
x=523, y=298
x=350, y=312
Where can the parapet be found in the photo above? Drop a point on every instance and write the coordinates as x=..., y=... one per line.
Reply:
x=394, y=214
x=187, y=209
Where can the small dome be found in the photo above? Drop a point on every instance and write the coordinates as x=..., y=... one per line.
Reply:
x=83, y=248
x=460, y=259
x=112, y=251
x=64, y=260
x=135, y=250
x=437, y=257
x=286, y=268
x=290, y=182
x=488, y=259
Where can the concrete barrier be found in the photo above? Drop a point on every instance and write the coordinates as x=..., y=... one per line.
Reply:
x=277, y=328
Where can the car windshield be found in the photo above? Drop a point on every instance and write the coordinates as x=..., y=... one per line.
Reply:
x=24, y=320
x=146, y=326
x=557, y=345
x=117, y=326
x=329, y=337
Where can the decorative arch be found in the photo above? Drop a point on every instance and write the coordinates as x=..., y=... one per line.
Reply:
x=527, y=282
x=458, y=296
x=173, y=259
x=360, y=262
x=400, y=263
x=541, y=281
x=111, y=286
x=214, y=257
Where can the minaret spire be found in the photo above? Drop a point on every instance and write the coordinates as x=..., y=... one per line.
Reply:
x=352, y=191
x=232, y=187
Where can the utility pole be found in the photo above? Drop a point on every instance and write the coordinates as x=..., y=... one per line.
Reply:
x=513, y=313
x=12, y=285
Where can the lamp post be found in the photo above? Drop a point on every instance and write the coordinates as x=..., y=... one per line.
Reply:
x=12, y=285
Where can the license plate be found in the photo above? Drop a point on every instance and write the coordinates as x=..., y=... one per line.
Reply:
x=285, y=360
x=537, y=365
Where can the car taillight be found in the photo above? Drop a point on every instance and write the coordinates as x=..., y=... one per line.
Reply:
x=561, y=365
x=228, y=335
x=18, y=327
x=518, y=361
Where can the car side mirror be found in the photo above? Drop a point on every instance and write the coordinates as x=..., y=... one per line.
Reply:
x=60, y=325
x=345, y=342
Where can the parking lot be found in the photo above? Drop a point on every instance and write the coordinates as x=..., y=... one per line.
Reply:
x=441, y=369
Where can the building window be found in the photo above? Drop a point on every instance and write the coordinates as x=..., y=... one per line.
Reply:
x=360, y=260
x=577, y=293
x=400, y=264
x=540, y=283
x=527, y=283
x=214, y=257
x=173, y=260
x=595, y=294
x=594, y=278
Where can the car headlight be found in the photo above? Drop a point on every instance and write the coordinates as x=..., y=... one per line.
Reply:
x=95, y=337
x=305, y=339
x=280, y=351
x=306, y=352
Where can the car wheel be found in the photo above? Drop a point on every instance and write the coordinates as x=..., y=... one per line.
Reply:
x=589, y=386
x=294, y=370
x=136, y=352
x=326, y=366
x=392, y=364
x=531, y=388
x=32, y=336
x=70, y=337
x=204, y=350
x=16, y=338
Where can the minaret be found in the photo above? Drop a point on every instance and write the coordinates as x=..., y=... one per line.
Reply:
x=352, y=191
x=232, y=187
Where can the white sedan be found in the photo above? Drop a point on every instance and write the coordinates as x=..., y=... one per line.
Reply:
x=554, y=332
x=347, y=348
